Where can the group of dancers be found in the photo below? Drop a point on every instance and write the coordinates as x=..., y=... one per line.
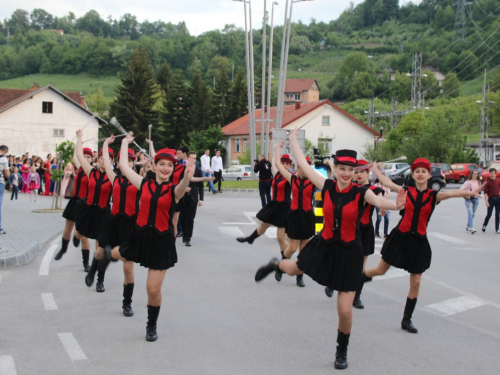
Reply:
x=140, y=225
x=336, y=257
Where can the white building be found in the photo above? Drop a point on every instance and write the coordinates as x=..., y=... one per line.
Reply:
x=326, y=125
x=36, y=120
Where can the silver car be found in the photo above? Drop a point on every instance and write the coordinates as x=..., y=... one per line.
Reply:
x=391, y=168
x=237, y=172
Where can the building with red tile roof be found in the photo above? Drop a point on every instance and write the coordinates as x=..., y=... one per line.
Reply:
x=301, y=90
x=326, y=125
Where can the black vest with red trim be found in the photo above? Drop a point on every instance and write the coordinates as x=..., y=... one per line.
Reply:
x=99, y=189
x=418, y=210
x=281, y=189
x=366, y=218
x=124, y=198
x=81, y=184
x=342, y=211
x=156, y=206
x=178, y=173
x=302, y=193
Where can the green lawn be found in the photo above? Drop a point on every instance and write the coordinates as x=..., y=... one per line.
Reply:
x=247, y=184
x=81, y=82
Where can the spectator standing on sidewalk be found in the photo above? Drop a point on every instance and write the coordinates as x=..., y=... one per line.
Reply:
x=15, y=179
x=217, y=167
x=264, y=168
x=206, y=171
x=491, y=196
x=4, y=174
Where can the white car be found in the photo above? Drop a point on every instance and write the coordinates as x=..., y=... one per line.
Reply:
x=391, y=168
x=237, y=172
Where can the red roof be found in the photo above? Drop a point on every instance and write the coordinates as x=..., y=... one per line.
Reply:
x=299, y=85
x=290, y=115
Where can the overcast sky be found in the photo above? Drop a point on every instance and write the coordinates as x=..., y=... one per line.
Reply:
x=199, y=15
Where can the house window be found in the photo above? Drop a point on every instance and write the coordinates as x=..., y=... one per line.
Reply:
x=325, y=121
x=297, y=97
x=289, y=96
x=58, y=132
x=46, y=107
x=325, y=145
x=237, y=145
x=244, y=145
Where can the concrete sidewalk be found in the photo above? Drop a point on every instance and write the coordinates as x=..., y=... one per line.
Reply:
x=27, y=231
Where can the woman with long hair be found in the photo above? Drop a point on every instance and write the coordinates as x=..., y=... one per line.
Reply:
x=25, y=170
x=46, y=166
x=471, y=202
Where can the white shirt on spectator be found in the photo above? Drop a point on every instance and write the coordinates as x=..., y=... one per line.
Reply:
x=217, y=164
x=4, y=164
x=205, y=163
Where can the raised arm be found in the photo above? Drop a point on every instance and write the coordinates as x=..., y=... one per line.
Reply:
x=457, y=193
x=76, y=162
x=384, y=180
x=317, y=179
x=107, y=162
x=87, y=168
x=277, y=162
x=128, y=172
x=152, y=152
x=180, y=190
x=383, y=203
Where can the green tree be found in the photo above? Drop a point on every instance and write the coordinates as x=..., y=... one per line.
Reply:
x=222, y=97
x=238, y=99
x=207, y=139
x=201, y=102
x=401, y=87
x=451, y=86
x=163, y=78
x=41, y=19
x=136, y=96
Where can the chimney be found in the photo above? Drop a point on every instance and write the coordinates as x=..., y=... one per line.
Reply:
x=297, y=105
x=36, y=86
x=81, y=101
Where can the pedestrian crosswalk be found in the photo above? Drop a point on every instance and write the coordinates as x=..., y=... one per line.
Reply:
x=455, y=305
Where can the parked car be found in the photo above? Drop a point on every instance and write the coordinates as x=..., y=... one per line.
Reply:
x=237, y=172
x=436, y=182
x=446, y=169
x=461, y=171
x=391, y=168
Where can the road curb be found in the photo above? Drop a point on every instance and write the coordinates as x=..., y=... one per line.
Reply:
x=11, y=258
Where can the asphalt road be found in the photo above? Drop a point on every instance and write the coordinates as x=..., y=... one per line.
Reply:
x=216, y=320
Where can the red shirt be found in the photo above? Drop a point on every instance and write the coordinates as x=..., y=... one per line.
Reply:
x=81, y=184
x=124, y=198
x=418, y=210
x=367, y=219
x=302, y=193
x=99, y=189
x=492, y=188
x=157, y=206
x=281, y=189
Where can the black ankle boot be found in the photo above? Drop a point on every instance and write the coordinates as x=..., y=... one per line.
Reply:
x=64, y=248
x=300, y=281
x=328, y=292
x=341, y=354
x=263, y=271
x=89, y=279
x=76, y=241
x=248, y=239
x=278, y=274
x=85, y=258
x=128, y=290
x=99, y=285
x=101, y=271
x=153, y=312
x=357, y=301
x=406, y=323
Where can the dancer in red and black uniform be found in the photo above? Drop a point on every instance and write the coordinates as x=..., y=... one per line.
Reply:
x=79, y=194
x=407, y=246
x=300, y=225
x=275, y=212
x=334, y=258
x=362, y=176
x=122, y=221
x=152, y=242
x=93, y=213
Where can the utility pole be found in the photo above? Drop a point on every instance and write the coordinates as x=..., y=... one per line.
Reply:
x=394, y=117
x=416, y=81
x=8, y=35
x=459, y=32
x=263, y=146
x=483, y=142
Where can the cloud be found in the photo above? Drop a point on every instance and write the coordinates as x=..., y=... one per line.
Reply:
x=199, y=15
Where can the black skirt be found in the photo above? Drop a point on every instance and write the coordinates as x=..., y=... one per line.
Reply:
x=90, y=220
x=300, y=224
x=407, y=251
x=332, y=264
x=274, y=213
x=150, y=249
x=368, y=239
x=69, y=211
x=118, y=231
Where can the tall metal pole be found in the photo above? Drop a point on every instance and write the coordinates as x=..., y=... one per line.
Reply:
x=263, y=145
x=484, y=124
x=270, y=69
x=249, y=89
x=252, y=77
x=281, y=87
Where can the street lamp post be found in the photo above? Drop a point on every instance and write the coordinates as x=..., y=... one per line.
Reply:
x=270, y=69
x=263, y=145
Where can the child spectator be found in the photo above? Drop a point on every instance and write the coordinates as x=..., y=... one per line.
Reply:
x=14, y=180
x=33, y=183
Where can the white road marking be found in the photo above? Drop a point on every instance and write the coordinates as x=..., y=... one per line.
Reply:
x=378, y=245
x=71, y=345
x=451, y=239
x=251, y=216
x=455, y=305
x=391, y=274
x=272, y=232
x=44, y=267
x=228, y=223
x=232, y=232
x=7, y=365
x=56, y=241
x=49, y=302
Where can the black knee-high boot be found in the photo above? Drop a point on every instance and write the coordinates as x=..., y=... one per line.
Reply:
x=153, y=312
x=128, y=290
x=249, y=239
x=85, y=258
x=406, y=323
x=101, y=269
x=341, y=355
x=279, y=274
x=265, y=270
x=64, y=248
x=89, y=279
